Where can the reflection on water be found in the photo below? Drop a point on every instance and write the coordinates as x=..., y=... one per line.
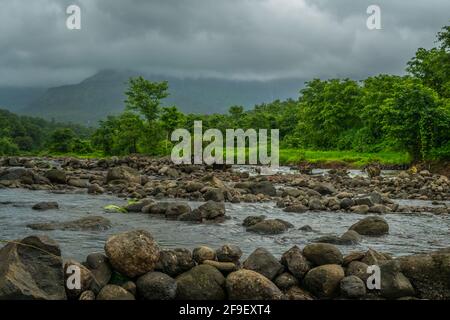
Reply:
x=409, y=233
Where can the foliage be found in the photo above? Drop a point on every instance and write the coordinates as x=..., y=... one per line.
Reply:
x=384, y=118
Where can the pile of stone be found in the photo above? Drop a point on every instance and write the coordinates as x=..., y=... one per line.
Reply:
x=133, y=266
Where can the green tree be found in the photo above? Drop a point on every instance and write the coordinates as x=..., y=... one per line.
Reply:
x=61, y=140
x=412, y=118
x=329, y=113
x=145, y=97
x=433, y=66
x=171, y=119
x=7, y=147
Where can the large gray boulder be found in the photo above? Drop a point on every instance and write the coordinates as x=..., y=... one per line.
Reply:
x=132, y=253
x=270, y=227
x=91, y=223
x=324, y=281
x=123, y=174
x=263, y=187
x=175, y=261
x=323, y=253
x=429, y=274
x=263, y=262
x=156, y=286
x=371, y=226
x=250, y=285
x=202, y=282
x=394, y=284
x=295, y=262
x=31, y=269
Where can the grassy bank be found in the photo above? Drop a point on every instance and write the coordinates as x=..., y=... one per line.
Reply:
x=349, y=159
x=345, y=158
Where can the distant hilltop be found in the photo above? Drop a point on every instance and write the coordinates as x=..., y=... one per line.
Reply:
x=103, y=94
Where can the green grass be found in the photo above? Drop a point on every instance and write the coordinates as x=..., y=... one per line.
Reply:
x=349, y=158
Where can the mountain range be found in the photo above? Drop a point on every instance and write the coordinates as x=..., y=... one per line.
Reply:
x=103, y=94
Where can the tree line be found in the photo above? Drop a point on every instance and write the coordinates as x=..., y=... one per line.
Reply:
x=386, y=112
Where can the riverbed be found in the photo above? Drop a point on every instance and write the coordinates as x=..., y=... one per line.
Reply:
x=409, y=233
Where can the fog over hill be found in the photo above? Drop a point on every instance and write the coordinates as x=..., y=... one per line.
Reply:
x=103, y=94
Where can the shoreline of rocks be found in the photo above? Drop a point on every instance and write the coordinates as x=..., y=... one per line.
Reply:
x=134, y=267
x=142, y=178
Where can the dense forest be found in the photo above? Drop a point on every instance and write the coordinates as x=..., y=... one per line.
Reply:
x=408, y=113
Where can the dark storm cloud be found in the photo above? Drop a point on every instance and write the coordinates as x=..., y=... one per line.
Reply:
x=243, y=39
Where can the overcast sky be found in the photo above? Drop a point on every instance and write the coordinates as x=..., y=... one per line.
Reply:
x=240, y=39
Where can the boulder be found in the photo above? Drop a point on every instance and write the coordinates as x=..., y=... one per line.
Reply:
x=364, y=201
x=224, y=267
x=156, y=208
x=324, y=188
x=296, y=208
x=137, y=207
x=31, y=269
x=372, y=257
x=78, y=183
x=429, y=274
x=156, y=286
x=323, y=253
x=212, y=210
x=250, y=285
x=214, y=194
x=252, y=220
x=100, y=268
x=175, y=261
x=270, y=227
x=263, y=187
x=285, y=281
x=132, y=253
x=56, y=176
x=193, y=186
x=95, y=189
x=371, y=226
x=71, y=268
x=114, y=292
x=176, y=209
x=123, y=173
x=42, y=206
x=353, y=287
x=94, y=223
x=203, y=253
x=350, y=237
x=380, y=209
x=202, y=282
x=193, y=216
x=316, y=205
x=229, y=253
x=263, y=262
x=358, y=269
x=295, y=262
x=324, y=281
x=394, y=284
x=346, y=203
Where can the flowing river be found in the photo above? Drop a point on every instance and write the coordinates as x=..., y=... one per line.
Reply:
x=408, y=233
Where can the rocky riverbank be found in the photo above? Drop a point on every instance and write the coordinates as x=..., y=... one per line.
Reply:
x=142, y=178
x=133, y=266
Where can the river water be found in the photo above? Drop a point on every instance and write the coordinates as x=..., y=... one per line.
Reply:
x=409, y=233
